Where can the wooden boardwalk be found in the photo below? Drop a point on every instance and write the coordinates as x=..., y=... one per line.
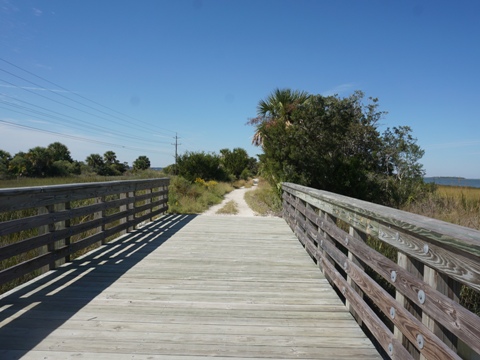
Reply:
x=185, y=287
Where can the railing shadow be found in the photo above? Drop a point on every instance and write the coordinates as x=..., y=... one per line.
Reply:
x=58, y=295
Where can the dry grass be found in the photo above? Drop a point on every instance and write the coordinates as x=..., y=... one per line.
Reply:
x=230, y=208
x=264, y=200
x=457, y=205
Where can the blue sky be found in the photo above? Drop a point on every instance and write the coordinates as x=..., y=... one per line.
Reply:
x=128, y=75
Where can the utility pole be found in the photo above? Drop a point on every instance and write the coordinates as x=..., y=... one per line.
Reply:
x=176, y=152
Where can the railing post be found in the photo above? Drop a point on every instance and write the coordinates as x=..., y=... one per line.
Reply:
x=450, y=288
x=41, y=231
x=414, y=267
x=131, y=208
x=123, y=208
x=52, y=228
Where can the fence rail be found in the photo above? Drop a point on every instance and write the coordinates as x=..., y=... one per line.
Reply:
x=42, y=227
x=409, y=303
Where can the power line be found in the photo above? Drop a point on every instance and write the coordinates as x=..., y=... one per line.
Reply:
x=9, y=123
x=78, y=95
x=81, y=123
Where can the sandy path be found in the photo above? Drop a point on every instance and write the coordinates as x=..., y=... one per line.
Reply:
x=237, y=196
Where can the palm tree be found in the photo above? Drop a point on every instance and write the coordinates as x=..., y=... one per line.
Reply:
x=94, y=160
x=110, y=157
x=276, y=109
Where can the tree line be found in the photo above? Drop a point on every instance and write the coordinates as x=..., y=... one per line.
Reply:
x=334, y=144
x=55, y=160
x=229, y=165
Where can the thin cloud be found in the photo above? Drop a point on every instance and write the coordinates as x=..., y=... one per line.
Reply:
x=339, y=89
x=37, y=12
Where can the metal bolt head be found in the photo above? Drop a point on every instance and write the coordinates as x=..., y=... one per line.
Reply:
x=345, y=265
x=390, y=349
x=346, y=241
x=392, y=312
x=393, y=275
x=420, y=341
x=425, y=249
x=421, y=296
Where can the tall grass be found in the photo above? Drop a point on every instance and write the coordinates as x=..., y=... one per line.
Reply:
x=187, y=198
x=457, y=205
x=264, y=200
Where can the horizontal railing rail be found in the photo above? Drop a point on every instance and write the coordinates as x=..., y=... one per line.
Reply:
x=44, y=227
x=408, y=302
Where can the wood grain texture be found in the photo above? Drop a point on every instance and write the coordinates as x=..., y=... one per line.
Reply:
x=450, y=251
x=181, y=288
x=113, y=213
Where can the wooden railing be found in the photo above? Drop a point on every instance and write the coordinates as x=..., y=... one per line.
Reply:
x=43, y=227
x=409, y=303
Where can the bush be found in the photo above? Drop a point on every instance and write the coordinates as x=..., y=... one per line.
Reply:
x=185, y=197
x=202, y=165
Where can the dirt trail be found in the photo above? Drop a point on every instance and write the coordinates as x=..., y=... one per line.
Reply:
x=237, y=196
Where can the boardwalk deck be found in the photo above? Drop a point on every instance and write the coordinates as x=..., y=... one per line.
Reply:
x=185, y=287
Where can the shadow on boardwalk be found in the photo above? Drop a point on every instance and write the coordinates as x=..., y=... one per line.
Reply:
x=60, y=294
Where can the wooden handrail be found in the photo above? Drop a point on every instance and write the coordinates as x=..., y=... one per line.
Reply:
x=410, y=305
x=42, y=227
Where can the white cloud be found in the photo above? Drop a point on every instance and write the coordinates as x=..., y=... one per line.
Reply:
x=37, y=12
x=339, y=89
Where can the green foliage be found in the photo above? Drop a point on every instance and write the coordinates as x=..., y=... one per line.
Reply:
x=193, y=165
x=333, y=144
x=141, y=163
x=264, y=200
x=237, y=163
x=185, y=197
x=5, y=159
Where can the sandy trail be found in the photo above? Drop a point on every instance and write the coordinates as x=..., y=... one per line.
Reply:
x=237, y=196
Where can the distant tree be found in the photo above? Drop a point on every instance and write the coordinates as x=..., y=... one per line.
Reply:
x=400, y=155
x=5, y=159
x=235, y=161
x=141, y=163
x=20, y=165
x=110, y=158
x=40, y=162
x=59, y=152
x=193, y=165
x=95, y=161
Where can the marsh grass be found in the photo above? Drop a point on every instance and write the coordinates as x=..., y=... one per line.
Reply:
x=230, y=208
x=457, y=205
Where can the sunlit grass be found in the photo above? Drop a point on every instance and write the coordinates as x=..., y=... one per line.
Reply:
x=264, y=200
x=230, y=208
x=187, y=198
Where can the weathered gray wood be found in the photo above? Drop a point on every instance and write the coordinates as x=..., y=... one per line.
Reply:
x=217, y=287
x=450, y=250
x=53, y=219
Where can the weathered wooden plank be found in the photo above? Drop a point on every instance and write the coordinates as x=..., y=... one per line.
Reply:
x=222, y=287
